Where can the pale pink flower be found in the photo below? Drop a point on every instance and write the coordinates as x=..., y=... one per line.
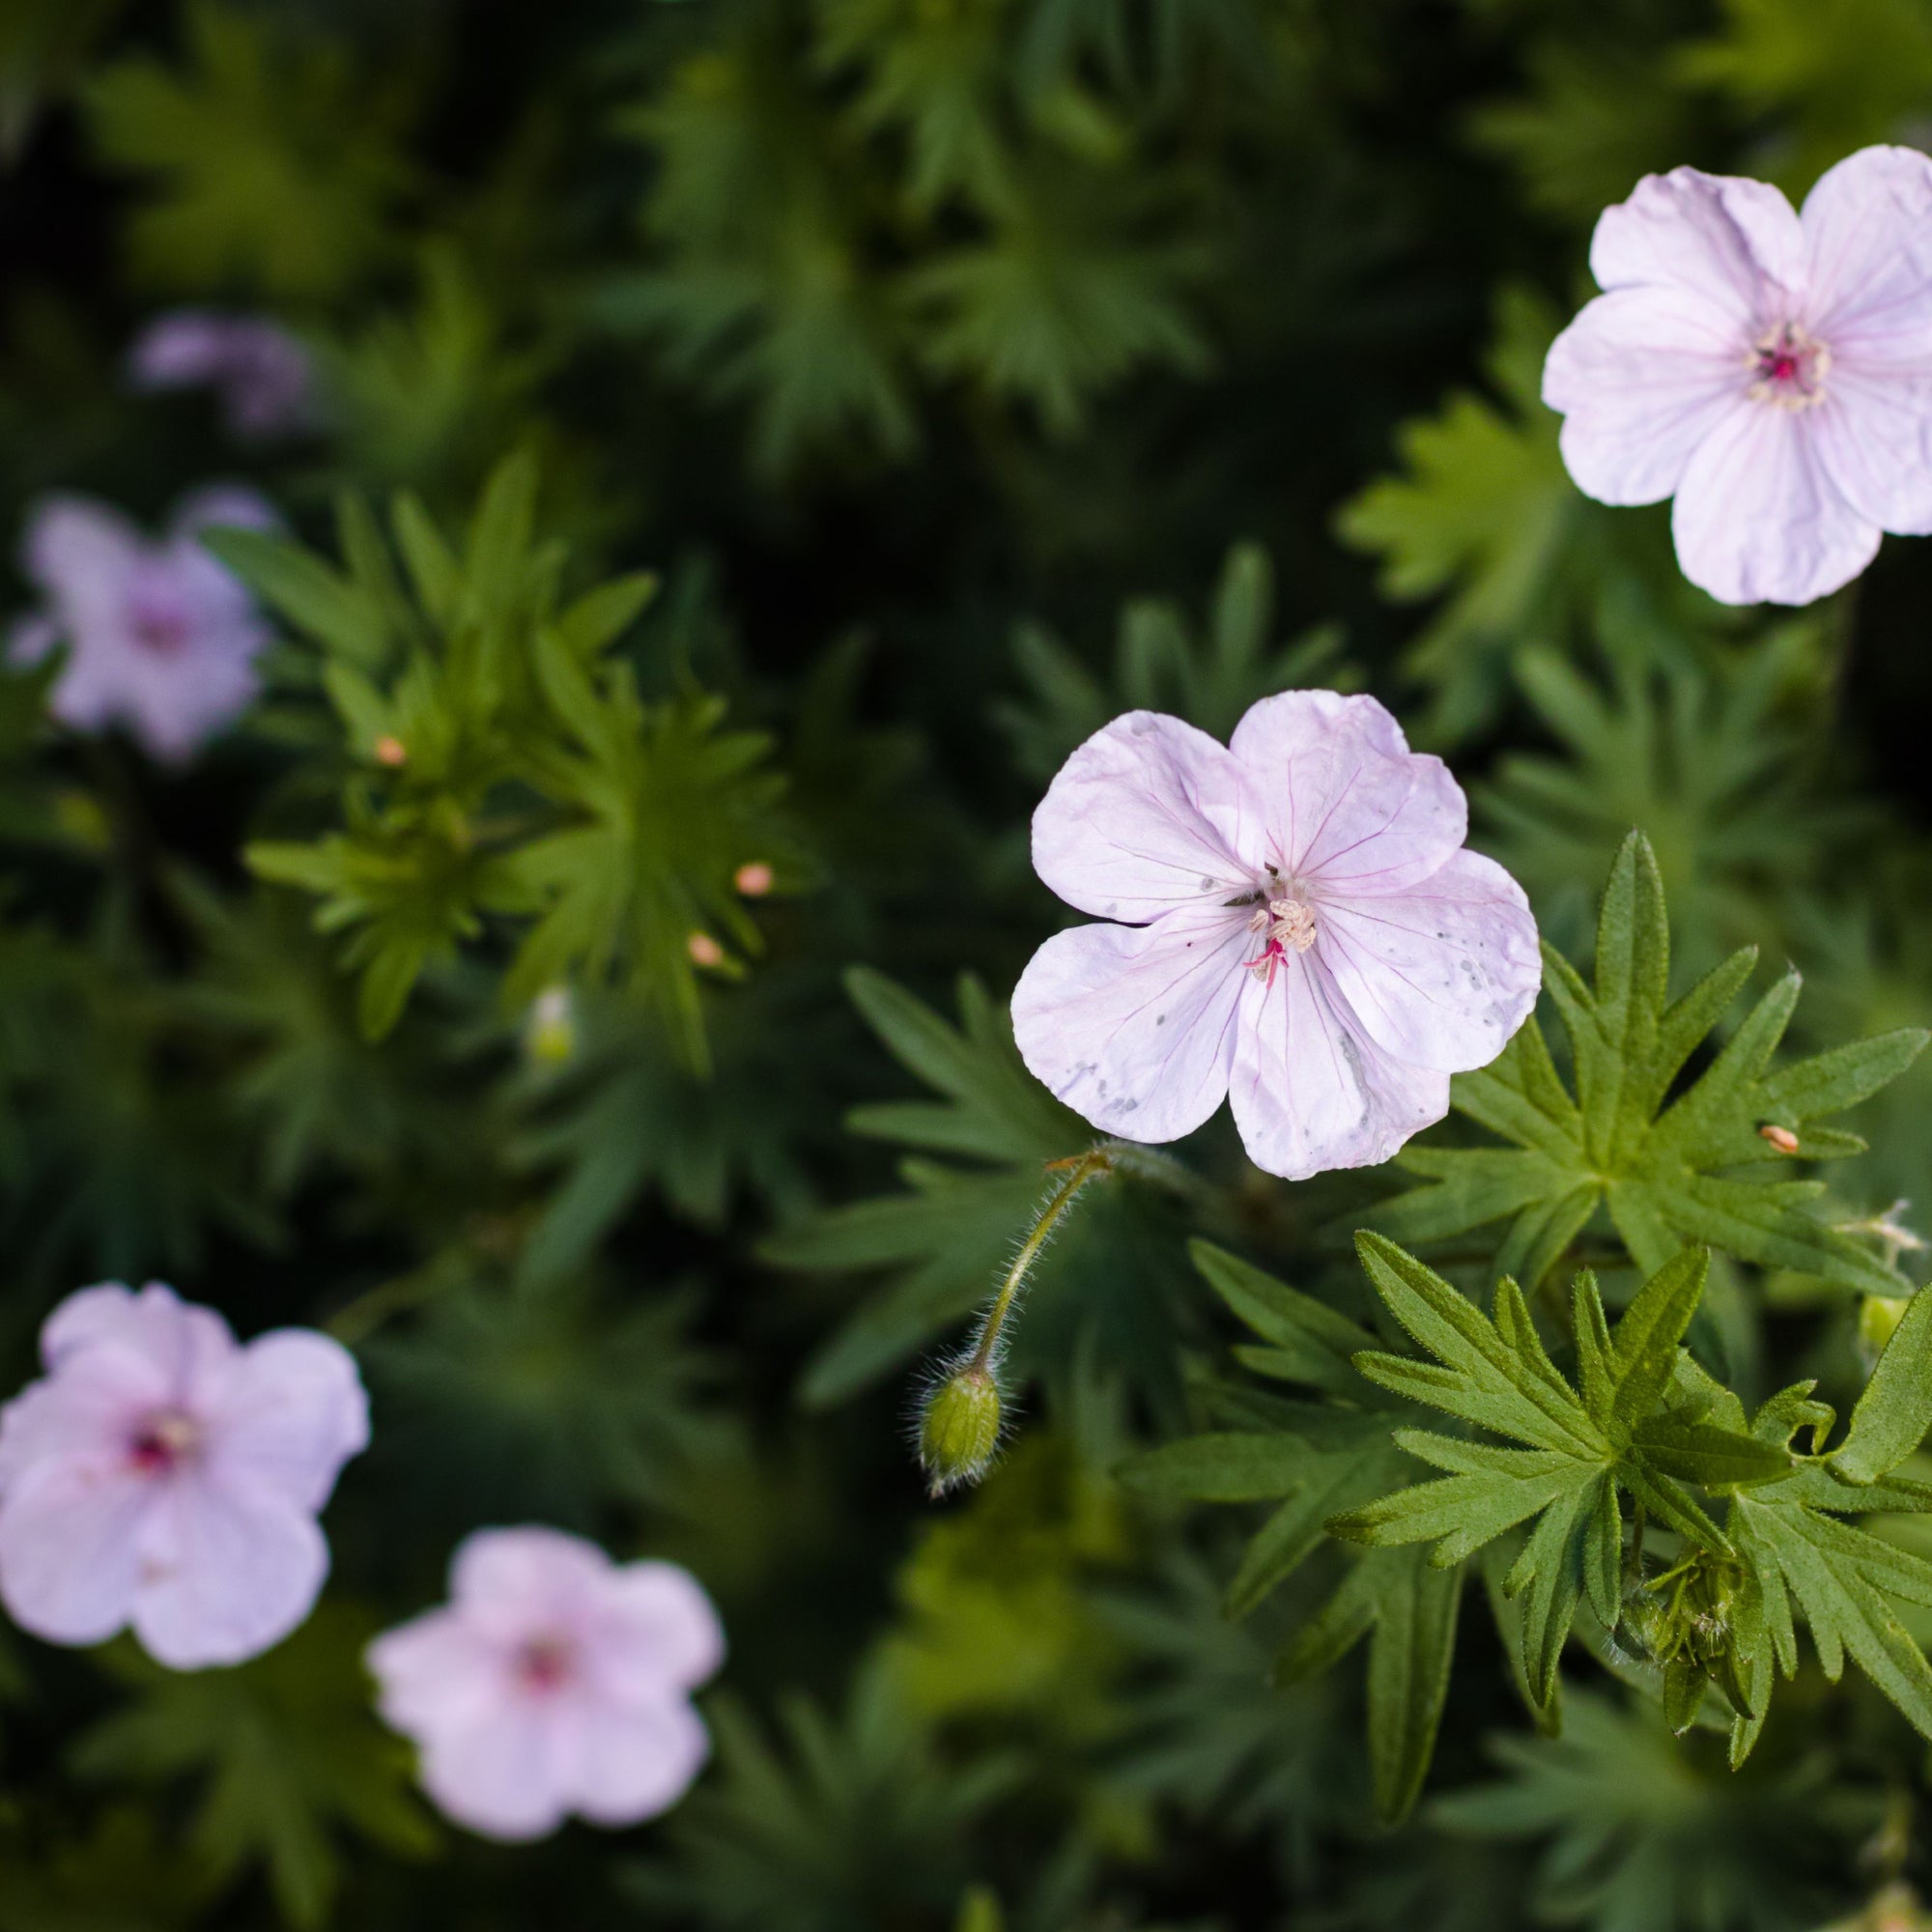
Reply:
x=162, y=1476
x=1301, y=931
x=553, y=1682
x=161, y=639
x=1773, y=372
x=264, y=375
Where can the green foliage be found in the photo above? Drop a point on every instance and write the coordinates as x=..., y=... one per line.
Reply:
x=1712, y=751
x=949, y=1232
x=286, y=1752
x=1660, y=1161
x=1208, y=678
x=272, y=162
x=476, y=687
x=1483, y=512
x=1638, y=1833
x=844, y=1821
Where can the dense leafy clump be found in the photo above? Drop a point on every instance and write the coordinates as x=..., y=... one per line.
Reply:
x=705, y=470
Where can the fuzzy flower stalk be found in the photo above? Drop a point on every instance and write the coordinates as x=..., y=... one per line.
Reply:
x=961, y=1417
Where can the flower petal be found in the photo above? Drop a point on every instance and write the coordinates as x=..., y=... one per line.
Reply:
x=1718, y=237
x=69, y=1548
x=627, y=1763
x=1873, y=434
x=1439, y=975
x=1868, y=224
x=1310, y=1092
x=290, y=1413
x=503, y=1775
x=1759, y=521
x=82, y=553
x=508, y=1579
x=1148, y=815
x=658, y=1627
x=191, y=1348
x=227, y=1572
x=1643, y=376
x=436, y=1672
x=1349, y=803
x=1132, y=1027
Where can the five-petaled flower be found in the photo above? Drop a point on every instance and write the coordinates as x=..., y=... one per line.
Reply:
x=1772, y=372
x=163, y=1475
x=553, y=1682
x=263, y=375
x=1301, y=930
x=159, y=636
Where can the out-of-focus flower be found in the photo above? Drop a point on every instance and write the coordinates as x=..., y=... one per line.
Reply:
x=162, y=1476
x=553, y=1682
x=1301, y=931
x=1770, y=371
x=264, y=375
x=160, y=637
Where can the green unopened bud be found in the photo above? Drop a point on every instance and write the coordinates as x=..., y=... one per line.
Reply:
x=550, y=1037
x=959, y=1427
x=1878, y=1315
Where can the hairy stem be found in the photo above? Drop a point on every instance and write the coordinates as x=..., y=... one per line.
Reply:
x=1078, y=1170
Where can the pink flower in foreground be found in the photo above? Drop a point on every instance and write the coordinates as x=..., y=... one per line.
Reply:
x=262, y=374
x=553, y=1681
x=1301, y=931
x=1772, y=372
x=160, y=637
x=163, y=1476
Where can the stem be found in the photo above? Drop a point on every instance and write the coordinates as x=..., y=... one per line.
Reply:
x=1079, y=1169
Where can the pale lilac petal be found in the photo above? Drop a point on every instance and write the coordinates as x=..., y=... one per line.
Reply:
x=82, y=553
x=1868, y=223
x=1310, y=1092
x=1133, y=1027
x=226, y=1571
x=1643, y=376
x=509, y=1579
x=29, y=640
x=1348, y=804
x=1873, y=437
x=226, y=506
x=1442, y=975
x=1716, y=236
x=503, y=1775
x=658, y=1627
x=626, y=1763
x=179, y=349
x=92, y=1409
x=292, y=1411
x=70, y=1537
x=1148, y=815
x=437, y=1671
x=1758, y=519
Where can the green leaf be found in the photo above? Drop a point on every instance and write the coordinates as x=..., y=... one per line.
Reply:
x=1666, y=1170
x=286, y=1751
x=1896, y=1410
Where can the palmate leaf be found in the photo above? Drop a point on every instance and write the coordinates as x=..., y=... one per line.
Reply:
x=1666, y=1169
x=1584, y=1446
x=287, y=1751
x=1311, y=1460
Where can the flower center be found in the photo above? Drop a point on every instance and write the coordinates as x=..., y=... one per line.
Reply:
x=1284, y=923
x=163, y=1442
x=545, y=1664
x=1788, y=368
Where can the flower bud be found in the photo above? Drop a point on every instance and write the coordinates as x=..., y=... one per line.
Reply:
x=1878, y=1315
x=959, y=1427
x=550, y=1037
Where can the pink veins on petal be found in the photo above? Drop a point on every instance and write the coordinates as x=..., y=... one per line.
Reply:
x=1770, y=370
x=1298, y=928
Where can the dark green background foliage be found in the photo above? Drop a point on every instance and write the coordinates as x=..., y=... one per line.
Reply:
x=776, y=432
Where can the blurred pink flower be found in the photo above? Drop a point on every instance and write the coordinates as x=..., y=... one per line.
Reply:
x=1302, y=933
x=159, y=636
x=162, y=1476
x=1772, y=372
x=553, y=1682
x=264, y=375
